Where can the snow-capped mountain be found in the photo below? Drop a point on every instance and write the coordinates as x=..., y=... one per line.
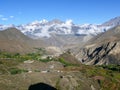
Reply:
x=45, y=28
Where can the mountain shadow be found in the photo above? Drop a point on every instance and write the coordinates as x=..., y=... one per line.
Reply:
x=41, y=86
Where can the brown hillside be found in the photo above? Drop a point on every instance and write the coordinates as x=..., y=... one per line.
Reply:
x=12, y=40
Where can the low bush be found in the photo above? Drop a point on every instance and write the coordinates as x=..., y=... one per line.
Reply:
x=14, y=71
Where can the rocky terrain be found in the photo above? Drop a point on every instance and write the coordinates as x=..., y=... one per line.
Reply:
x=56, y=74
x=102, y=49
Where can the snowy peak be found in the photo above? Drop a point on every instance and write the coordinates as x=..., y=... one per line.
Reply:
x=55, y=21
x=45, y=22
x=39, y=22
x=69, y=22
x=52, y=22
x=44, y=28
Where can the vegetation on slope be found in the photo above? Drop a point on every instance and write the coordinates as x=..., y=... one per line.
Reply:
x=107, y=77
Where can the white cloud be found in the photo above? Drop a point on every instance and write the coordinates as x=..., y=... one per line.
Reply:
x=69, y=22
x=4, y=19
x=11, y=16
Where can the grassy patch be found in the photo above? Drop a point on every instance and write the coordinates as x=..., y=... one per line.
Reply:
x=65, y=63
x=14, y=71
x=20, y=57
x=108, y=77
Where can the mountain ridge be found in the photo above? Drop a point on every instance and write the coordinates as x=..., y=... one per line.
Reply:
x=43, y=28
x=112, y=22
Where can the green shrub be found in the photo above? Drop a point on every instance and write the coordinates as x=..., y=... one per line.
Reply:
x=111, y=67
x=48, y=59
x=14, y=71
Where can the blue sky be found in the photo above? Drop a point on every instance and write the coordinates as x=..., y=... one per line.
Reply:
x=80, y=11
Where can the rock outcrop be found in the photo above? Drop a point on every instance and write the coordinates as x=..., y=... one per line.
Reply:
x=103, y=49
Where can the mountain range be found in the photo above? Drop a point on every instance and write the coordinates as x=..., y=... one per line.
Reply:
x=91, y=44
x=44, y=28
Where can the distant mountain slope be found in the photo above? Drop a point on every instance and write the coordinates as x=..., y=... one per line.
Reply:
x=13, y=34
x=67, y=41
x=12, y=40
x=102, y=49
x=112, y=22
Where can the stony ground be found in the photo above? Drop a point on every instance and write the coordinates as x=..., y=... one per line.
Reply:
x=54, y=73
